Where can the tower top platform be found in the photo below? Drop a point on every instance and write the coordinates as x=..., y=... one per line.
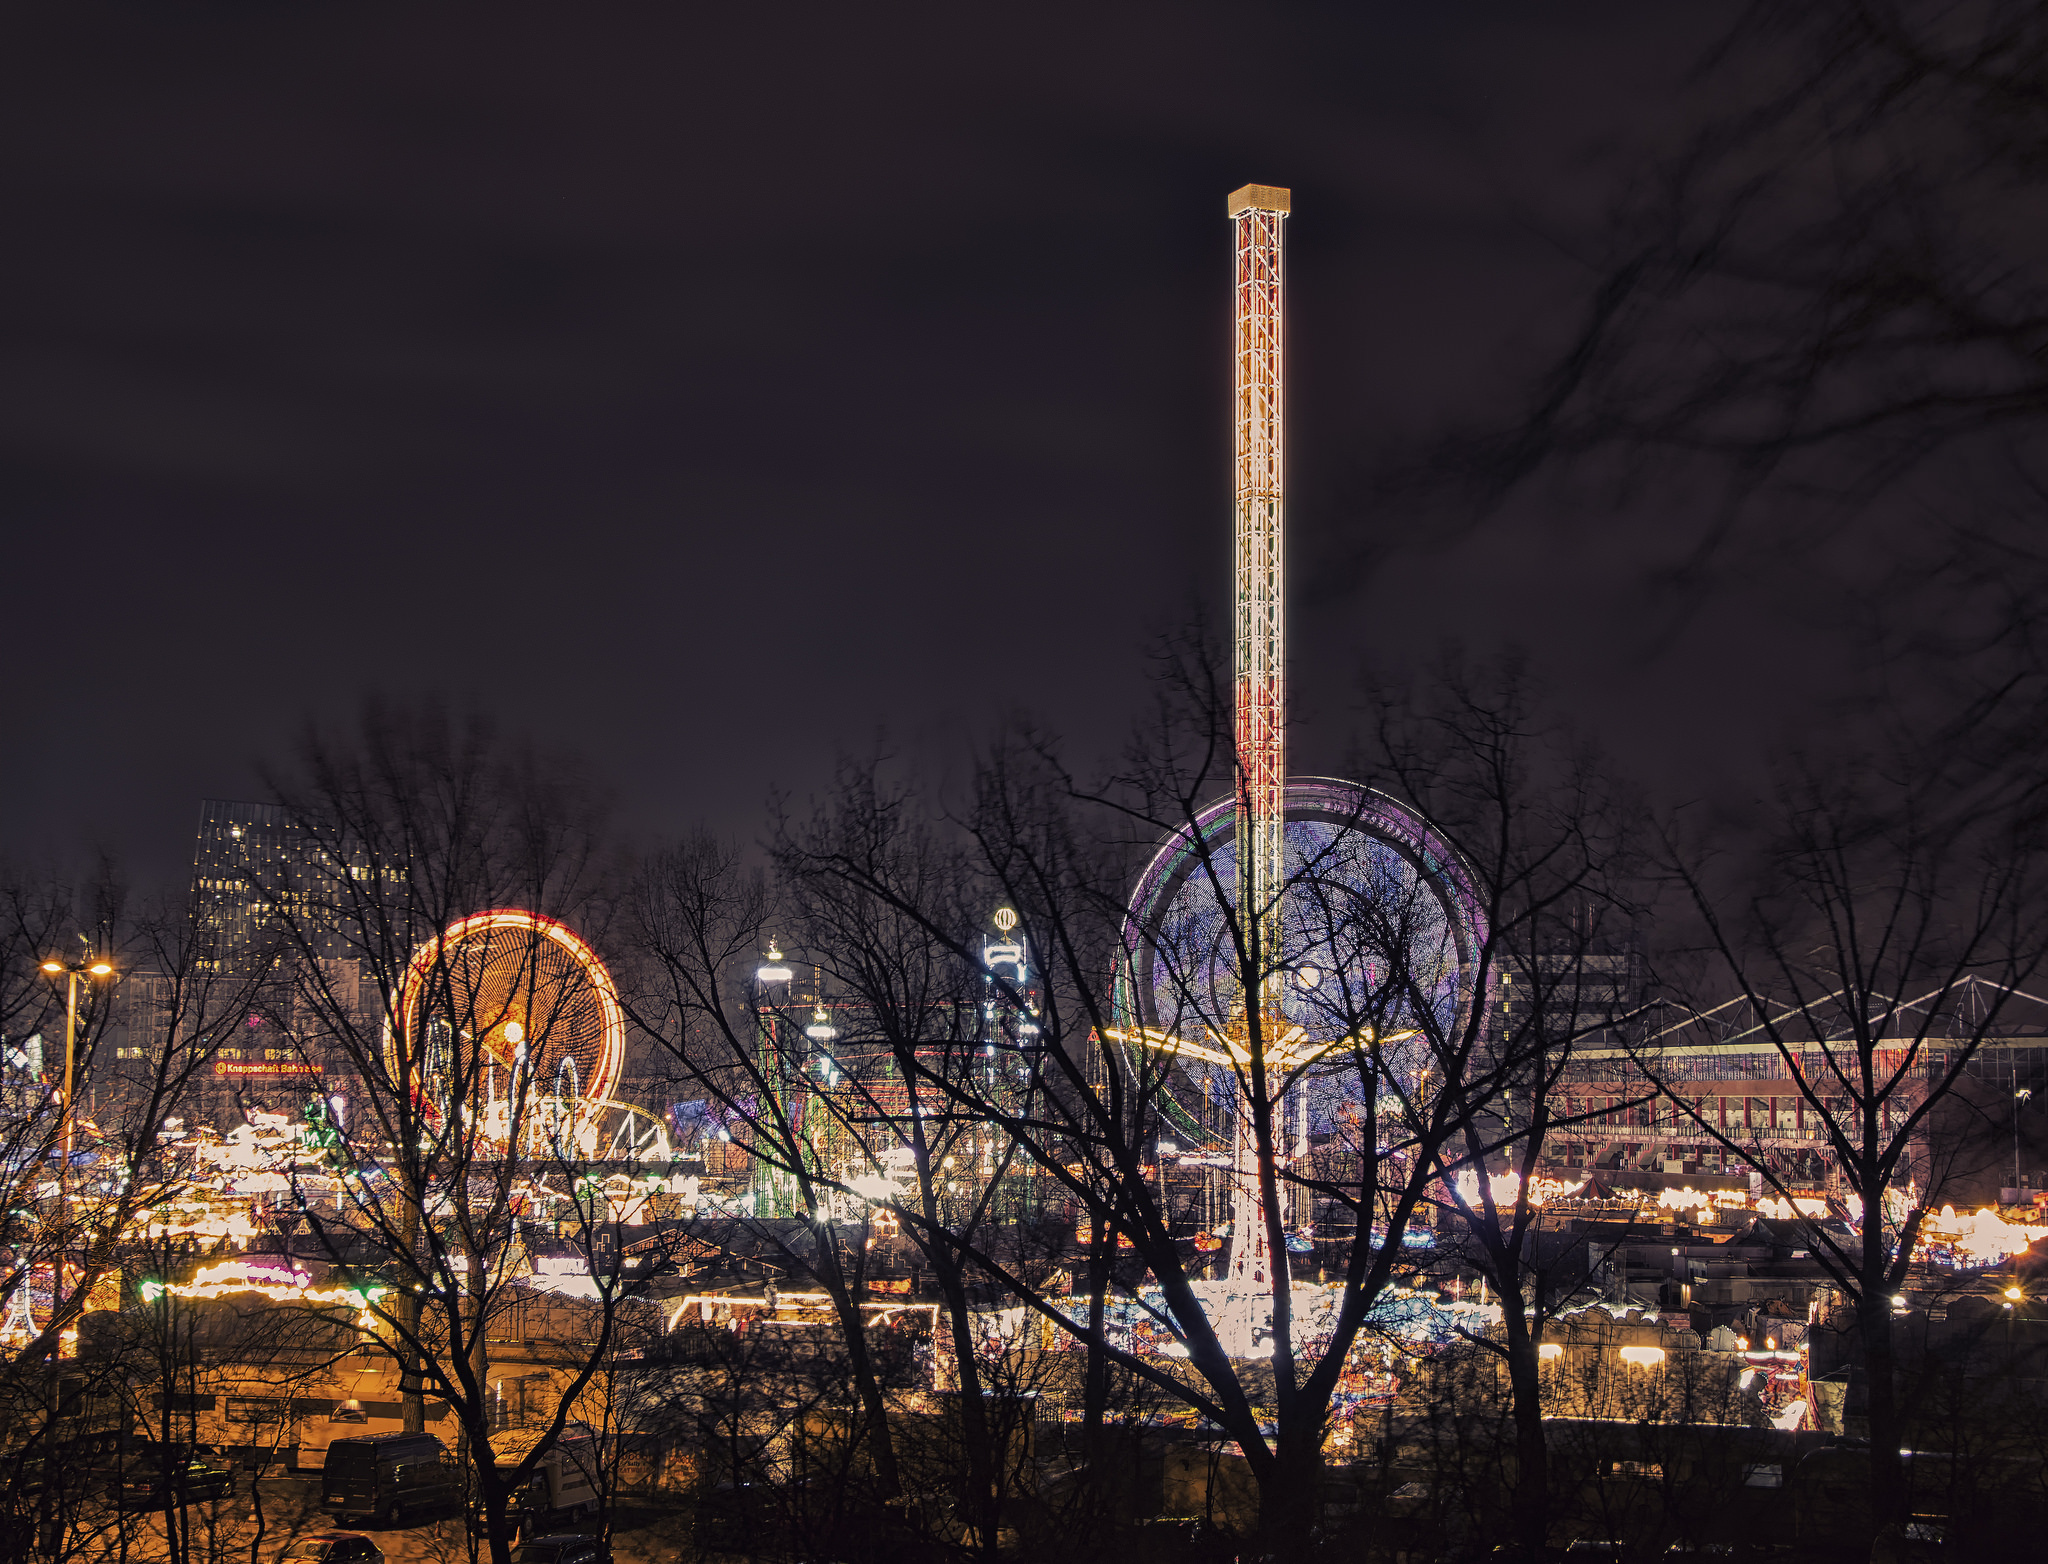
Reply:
x=1260, y=198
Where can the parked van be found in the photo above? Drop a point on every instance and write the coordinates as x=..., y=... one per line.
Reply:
x=364, y=1401
x=388, y=1476
x=563, y=1481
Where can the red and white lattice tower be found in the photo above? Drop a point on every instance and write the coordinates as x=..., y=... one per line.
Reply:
x=1257, y=213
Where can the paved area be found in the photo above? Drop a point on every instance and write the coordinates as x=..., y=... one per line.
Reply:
x=226, y=1531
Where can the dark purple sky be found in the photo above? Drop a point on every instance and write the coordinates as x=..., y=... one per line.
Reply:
x=704, y=397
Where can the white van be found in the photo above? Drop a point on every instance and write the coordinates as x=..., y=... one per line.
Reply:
x=563, y=1482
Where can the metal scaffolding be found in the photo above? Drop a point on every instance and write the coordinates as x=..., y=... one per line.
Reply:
x=1257, y=213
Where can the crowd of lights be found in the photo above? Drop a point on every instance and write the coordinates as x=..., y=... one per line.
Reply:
x=277, y=1279
x=1506, y=1188
x=1984, y=1237
x=1790, y=1210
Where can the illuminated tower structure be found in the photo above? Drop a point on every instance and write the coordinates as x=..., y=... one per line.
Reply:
x=771, y=1190
x=1230, y=861
x=1257, y=214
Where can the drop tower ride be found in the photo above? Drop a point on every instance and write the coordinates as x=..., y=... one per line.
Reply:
x=1257, y=214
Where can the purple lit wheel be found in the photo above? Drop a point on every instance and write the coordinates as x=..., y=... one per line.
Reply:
x=1381, y=930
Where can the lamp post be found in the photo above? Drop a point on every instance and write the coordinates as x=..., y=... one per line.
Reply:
x=73, y=971
x=2022, y=1095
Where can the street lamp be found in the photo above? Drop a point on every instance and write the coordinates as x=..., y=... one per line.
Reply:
x=2023, y=1095
x=85, y=967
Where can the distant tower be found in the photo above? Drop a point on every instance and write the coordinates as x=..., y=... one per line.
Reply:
x=1257, y=213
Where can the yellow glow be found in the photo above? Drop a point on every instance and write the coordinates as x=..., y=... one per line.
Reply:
x=1983, y=1238
x=1289, y=1051
x=53, y=966
x=1790, y=1210
x=99, y=969
x=1506, y=1186
x=515, y=1034
x=2014, y=1293
x=1644, y=1357
x=280, y=1284
x=1550, y=1349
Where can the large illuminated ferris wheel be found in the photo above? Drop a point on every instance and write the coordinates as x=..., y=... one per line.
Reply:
x=512, y=1024
x=1378, y=933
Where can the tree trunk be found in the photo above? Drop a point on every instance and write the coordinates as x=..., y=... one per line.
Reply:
x=496, y=1532
x=974, y=1434
x=1290, y=1495
x=1531, y=1516
x=1099, y=1493
x=412, y=1405
x=1095, y=1387
x=881, y=1446
x=1887, y=1474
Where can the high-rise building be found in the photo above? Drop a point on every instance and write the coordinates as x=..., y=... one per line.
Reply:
x=252, y=862
x=254, y=865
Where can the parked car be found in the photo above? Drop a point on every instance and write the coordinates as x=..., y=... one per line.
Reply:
x=334, y=1547
x=563, y=1547
x=388, y=1476
x=144, y=1478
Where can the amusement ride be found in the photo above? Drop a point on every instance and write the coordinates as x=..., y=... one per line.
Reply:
x=516, y=1013
x=1350, y=909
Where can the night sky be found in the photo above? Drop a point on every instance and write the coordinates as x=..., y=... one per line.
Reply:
x=703, y=398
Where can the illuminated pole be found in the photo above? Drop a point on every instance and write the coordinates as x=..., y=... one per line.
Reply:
x=67, y=1123
x=1257, y=213
x=767, y=1182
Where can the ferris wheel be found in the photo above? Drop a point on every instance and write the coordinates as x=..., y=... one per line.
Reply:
x=513, y=1026
x=1380, y=931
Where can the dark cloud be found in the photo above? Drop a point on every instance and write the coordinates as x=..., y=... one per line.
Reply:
x=702, y=395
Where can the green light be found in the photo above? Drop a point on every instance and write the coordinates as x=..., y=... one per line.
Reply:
x=151, y=1291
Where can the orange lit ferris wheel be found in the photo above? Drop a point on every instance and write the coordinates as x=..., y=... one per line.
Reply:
x=510, y=1008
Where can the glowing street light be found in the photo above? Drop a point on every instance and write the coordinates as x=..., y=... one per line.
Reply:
x=85, y=967
x=774, y=969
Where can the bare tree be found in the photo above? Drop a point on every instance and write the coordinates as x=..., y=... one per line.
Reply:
x=455, y=1130
x=703, y=922
x=1832, y=278
x=155, y=1008
x=1875, y=945
x=1823, y=311
x=1384, y=921
x=1547, y=838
